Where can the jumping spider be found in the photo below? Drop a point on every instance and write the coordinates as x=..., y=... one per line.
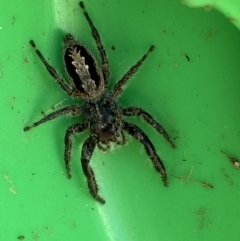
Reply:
x=102, y=116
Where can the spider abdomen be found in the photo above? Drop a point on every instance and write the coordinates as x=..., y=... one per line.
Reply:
x=83, y=69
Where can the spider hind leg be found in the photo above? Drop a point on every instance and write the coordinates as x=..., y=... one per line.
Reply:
x=101, y=50
x=118, y=88
x=51, y=70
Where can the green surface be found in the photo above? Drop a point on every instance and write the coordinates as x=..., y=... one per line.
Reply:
x=230, y=8
x=197, y=101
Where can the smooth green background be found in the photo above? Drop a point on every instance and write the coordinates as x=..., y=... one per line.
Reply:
x=197, y=101
x=231, y=8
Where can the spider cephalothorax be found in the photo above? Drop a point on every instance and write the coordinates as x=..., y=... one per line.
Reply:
x=102, y=117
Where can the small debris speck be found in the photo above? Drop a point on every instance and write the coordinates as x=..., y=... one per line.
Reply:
x=21, y=237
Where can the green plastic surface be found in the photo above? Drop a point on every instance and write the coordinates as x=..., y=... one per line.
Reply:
x=190, y=84
x=230, y=8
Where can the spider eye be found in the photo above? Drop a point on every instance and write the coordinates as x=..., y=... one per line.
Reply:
x=83, y=69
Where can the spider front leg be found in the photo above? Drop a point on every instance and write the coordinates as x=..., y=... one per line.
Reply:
x=140, y=136
x=118, y=88
x=134, y=111
x=73, y=110
x=51, y=70
x=87, y=151
x=122, y=140
x=77, y=128
x=96, y=36
x=103, y=146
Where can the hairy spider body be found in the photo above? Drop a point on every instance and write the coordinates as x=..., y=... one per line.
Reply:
x=106, y=124
x=102, y=116
x=83, y=70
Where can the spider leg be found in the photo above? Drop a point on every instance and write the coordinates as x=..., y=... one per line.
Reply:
x=140, y=136
x=118, y=88
x=68, y=144
x=122, y=140
x=134, y=111
x=96, y=36
x=73, y=110
x=87, y=151
x=51, y=70
x=103, y=146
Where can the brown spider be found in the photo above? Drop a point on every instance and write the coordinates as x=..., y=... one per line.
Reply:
x=102, y=116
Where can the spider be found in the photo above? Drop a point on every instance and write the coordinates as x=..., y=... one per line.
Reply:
x=102, y=116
